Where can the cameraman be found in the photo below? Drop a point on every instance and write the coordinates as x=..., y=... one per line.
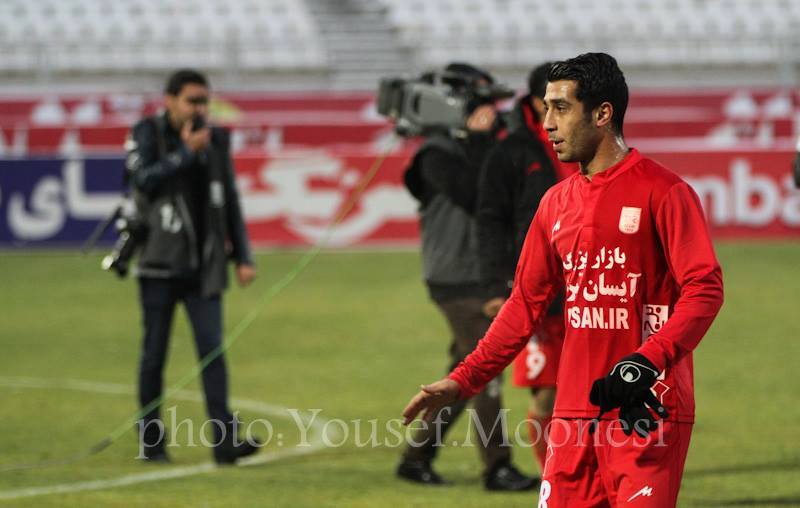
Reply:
x=443, y=177
x=182, y=181
x=797, y=166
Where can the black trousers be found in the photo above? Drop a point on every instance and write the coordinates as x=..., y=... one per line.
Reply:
x=158, y=298
x=468, y=324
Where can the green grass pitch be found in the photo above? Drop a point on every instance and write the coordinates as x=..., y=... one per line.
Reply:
x=354, y=336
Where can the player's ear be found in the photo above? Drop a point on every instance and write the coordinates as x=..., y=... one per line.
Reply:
x=603, y=114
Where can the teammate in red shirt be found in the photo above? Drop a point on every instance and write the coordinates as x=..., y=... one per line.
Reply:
x=628, y=241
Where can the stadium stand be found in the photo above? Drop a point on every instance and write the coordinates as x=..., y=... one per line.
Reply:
x=349, y=44
x=657, y=33
x=74, y=36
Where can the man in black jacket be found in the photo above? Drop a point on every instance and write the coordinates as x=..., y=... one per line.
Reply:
x=797, y=166
x=443, y=177
x=182, y=180
x=515, y=176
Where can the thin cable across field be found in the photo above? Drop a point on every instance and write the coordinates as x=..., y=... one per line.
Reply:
x=232, y=337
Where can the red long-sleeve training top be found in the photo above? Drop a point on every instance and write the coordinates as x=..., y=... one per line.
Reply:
x=631, y=247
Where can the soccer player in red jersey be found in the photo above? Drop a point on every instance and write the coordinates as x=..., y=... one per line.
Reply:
x=627, y=239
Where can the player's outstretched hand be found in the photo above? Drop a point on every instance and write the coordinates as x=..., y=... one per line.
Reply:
x=431, y=399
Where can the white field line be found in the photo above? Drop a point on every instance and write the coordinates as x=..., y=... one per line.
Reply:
x=316, y=439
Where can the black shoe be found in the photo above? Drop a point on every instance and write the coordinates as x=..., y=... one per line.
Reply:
x=228, y=453
x=156, y=457
x=152, y=442
x=505, y=477
x=419, y=471
x=229, y=448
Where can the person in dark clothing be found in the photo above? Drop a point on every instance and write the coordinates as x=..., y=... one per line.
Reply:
x=516, y=174
x=182, y=182
x=443, y=177
x=797, y=166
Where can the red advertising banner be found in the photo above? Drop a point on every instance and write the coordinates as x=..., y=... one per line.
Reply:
x=291, y=200
x=744, y=194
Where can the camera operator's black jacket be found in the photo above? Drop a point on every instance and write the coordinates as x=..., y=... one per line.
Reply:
x=443, y=177
x=514, y=178
x=797, y=170
x=189, y=204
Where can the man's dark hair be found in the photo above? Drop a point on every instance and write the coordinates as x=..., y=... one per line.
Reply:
x=599, y=80
x=537, y=80
x=468, y=72
x=184, y=77
x=463, y=77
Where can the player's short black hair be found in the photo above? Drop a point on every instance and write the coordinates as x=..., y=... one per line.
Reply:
x=537, y=79
x=599, y=80
x=183, y=77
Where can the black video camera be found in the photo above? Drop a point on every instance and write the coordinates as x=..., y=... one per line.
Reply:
x=434, y=101
x=132, y=231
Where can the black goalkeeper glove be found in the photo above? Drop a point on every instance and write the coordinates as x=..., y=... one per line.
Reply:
x=627, y=387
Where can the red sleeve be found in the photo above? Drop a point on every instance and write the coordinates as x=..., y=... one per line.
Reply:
x=690, y=255
x=535, y=284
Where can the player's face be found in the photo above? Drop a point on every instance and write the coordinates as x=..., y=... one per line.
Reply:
x=191, y=100
x=568, y=124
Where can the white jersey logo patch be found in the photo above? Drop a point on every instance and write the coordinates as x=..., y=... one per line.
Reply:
x=653, y=318
x=629, y=219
